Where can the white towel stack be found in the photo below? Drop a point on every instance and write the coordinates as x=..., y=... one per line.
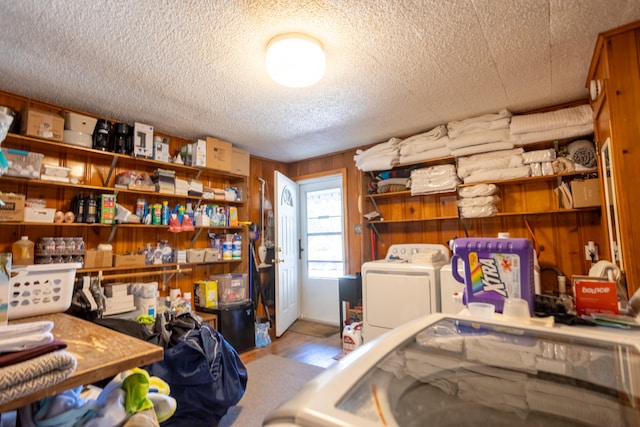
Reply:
x=540, y=161
x=564, y=123
x=490, y=166
x=434, y=257
x=434, y=179
x=382, y=156
x=425, y=146
x=481, y=134
x=478, y=201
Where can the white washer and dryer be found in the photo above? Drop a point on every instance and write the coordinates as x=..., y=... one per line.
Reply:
x=403, y=286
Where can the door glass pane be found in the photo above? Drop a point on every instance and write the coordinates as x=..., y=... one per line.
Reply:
x=325, y=257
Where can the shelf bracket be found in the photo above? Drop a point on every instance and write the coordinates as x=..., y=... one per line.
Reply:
x=113, y=233
x=111, y=169
x=195, y=237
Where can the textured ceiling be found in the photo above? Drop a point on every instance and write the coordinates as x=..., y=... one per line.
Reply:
x=394, y=68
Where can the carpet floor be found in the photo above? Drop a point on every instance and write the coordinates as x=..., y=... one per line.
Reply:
x=315, y=329
x=272, y=380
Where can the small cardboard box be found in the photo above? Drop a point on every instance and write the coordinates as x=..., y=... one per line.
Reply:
x=97, y=259
x=13, y=209
x=240, y=161
x=42, y=124
x=128, y=260
x=585, y=193
x=199, y=153
x=218, y=154
x=595, y=295
x=142, y=140
x=205, y=293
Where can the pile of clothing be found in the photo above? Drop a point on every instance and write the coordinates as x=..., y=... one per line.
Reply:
x=478, y=201
x=425, y=146
x=434, y=179
x=382, y=156
x=493, y=166
x=481, y=134
x=565, y=123
x=390, y=181
x=31, y=359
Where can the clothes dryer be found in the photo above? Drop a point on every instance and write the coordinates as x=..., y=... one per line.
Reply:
x=403, y=286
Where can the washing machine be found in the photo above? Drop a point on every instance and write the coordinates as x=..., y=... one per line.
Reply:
x=401, y=287
x=454, y=370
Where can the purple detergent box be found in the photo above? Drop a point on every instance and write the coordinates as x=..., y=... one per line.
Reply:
x=495, y=269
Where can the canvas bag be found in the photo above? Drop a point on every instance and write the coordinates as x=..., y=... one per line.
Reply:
x=205, y=374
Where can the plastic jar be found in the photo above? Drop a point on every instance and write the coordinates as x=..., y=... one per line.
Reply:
x=23, y=251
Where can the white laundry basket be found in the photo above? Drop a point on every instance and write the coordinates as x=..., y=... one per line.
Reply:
x=41, y=289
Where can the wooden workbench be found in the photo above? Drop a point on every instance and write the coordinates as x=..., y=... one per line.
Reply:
x=101, y=353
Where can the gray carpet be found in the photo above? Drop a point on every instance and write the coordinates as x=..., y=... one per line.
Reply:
x=272, y=380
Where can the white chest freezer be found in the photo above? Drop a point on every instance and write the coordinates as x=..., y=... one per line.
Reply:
x=444, y=370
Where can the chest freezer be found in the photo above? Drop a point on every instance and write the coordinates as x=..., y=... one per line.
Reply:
x=449, y=370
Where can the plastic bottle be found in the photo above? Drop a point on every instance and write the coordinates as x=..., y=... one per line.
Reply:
x=189, y=211
x=23, y=251
x=91, y=209
x=165, y=213
x=236, y=247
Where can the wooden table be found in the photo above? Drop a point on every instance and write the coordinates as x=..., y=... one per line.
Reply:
x=101, y=353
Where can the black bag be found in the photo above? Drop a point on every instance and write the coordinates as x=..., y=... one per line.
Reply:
x=205, y=374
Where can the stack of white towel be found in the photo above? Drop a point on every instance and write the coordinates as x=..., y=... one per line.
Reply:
x=478, y=201
x=425, y=146
x=494, y=166
x=481, y=134
x=434, y=179
x=564, y=123
x=540, y=162
x=382, y=156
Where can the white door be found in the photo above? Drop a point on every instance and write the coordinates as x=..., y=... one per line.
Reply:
x=322, y=257
x=286, y=252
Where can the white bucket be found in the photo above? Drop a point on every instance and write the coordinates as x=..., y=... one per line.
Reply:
x=146, y=305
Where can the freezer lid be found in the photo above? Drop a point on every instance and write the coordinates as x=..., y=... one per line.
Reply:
x=458, y=371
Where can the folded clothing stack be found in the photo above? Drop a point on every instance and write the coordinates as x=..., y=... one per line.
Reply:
x=565, y=123
x=540, y=161
x=478, y=201
x=382, y=156
x=494, y=166
x=434, y=179
x=481, y=134
x=425, y=146
x=390, y=181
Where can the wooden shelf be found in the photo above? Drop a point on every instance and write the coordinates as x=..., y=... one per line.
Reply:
x=155, y=267
x=531, y=178
x=407, y=193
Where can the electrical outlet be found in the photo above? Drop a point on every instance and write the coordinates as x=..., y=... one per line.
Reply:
x=588, y=251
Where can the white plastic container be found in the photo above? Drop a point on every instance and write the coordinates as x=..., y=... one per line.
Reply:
x=79, y=123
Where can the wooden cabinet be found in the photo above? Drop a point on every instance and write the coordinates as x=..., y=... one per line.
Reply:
x=614, y=82
x=97, y=171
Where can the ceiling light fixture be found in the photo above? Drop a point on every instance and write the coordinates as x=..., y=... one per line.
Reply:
x=295, y=60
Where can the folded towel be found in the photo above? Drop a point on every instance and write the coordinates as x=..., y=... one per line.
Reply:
x=566, y=117
x=478, y=190
x=583, y=152
x=480, y=127
x=461, y=124
x=35, y=374
x=499, y=174
x=425, y=155
x=23, y=336
x=484, y=137
x=551, y=134
x=482, y=148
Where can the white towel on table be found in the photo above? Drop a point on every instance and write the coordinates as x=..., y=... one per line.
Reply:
x=23, y=336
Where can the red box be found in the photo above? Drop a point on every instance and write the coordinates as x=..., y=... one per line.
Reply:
x=595, y=295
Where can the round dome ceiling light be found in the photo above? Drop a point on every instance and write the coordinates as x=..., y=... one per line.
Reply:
x=295, y=60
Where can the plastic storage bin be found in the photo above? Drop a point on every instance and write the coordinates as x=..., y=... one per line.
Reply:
x=41, y=289
x=232, y=288
x=23, y=163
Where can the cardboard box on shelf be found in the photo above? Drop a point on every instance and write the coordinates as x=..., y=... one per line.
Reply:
x=240, y=161
x=218, y=154
x=42, y=124
x=97, y=259
x=142, y=140
x=13, y=209
x=585, y=193
x=205, y=293
x=128, y=260
x=161, y=148
x=199, y=153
